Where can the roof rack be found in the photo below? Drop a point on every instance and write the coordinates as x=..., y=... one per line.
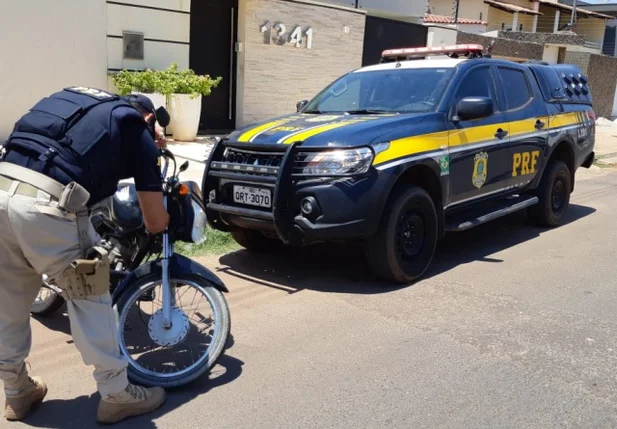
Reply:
x=452, y=51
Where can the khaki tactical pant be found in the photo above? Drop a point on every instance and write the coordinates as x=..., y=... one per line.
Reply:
x=37, y=238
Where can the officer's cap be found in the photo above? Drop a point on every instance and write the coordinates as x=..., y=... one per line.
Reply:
x=141, y=102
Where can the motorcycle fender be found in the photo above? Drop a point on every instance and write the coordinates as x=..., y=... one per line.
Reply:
x=178, y=265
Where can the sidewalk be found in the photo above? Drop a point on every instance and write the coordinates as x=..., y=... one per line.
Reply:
x=606, y=143
x=196, y=153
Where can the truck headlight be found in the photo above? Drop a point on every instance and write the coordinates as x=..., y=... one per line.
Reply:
x=338, y=162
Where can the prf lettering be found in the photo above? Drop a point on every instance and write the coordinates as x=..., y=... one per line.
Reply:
x=524, y=163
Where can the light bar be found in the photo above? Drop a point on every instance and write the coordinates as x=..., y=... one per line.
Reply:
x=436, y=50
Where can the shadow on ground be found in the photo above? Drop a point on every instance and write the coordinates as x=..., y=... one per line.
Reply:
x=81, y=412
x=342, y=269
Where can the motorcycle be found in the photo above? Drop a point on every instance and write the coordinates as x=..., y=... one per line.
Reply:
x=151, y=285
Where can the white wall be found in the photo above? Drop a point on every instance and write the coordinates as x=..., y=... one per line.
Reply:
x=166, y=31
x=472, y=28
x=550, y=54
x=46, y=46
x=437, y=36
x=387, y=8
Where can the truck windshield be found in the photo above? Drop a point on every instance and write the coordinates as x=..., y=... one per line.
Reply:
x=384, y=91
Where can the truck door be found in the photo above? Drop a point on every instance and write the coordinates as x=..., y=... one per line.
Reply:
x=479, y=154
x=528, y=120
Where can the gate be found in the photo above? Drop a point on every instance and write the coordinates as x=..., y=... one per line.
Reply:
x=381, y=34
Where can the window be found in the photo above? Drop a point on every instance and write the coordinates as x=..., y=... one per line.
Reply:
x=478, y=83
x=515, y=87
x=387, y=90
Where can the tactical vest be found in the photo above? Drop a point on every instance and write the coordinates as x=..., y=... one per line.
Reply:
x=70, y=132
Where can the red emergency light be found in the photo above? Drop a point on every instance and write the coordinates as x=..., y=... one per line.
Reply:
x=434, y=50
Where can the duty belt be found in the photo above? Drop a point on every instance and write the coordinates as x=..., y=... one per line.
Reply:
x=72, y=198
x=23, y=189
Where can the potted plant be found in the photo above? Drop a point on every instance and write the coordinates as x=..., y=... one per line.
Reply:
x=145, y=82
x=180, y=91
x=184, y=90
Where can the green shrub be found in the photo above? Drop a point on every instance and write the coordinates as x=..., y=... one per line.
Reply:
x=166, y=82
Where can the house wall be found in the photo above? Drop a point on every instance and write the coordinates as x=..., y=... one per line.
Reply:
x=272, y=78
x=592, y=28
x=472, y=28
x=437, y=36
x=551, y=54
x=387, y=8
x=472, y=9
x=46, y=57
x=165, y=25
x=505, y=48
x=446, y=34
x=497, y=17
x=602, y=73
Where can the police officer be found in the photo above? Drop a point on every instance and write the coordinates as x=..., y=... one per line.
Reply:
x=65, y=155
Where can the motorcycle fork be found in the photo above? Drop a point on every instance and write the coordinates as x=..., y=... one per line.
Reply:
x=168, y=295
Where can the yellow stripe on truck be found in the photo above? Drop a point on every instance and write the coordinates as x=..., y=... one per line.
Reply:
x=411, y=145
x=564, y=119
x=526, y=126
x=483, y=133
x=312, y=132
x=248, y=135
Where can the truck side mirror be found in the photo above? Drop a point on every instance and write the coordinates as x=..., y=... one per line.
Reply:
x=469, y=108
x=301, y=105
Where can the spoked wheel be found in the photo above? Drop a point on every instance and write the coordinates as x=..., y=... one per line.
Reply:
x=175, y=355
x=47, y=301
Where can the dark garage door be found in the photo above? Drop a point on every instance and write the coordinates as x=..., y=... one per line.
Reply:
x=381, y=34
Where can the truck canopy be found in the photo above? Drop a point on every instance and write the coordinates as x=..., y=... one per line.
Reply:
x=562, y=83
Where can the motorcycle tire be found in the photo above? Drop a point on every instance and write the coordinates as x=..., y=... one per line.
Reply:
x=136, y=373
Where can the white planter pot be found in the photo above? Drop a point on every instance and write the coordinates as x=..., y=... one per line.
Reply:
x=185, y=113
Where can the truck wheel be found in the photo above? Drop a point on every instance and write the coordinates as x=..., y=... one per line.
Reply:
x=554, y=195
x=255, y=240
x=403, y=247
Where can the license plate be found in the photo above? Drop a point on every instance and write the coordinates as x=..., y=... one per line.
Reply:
x=252, y=196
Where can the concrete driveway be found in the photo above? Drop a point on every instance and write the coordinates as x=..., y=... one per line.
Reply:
x=513, y=327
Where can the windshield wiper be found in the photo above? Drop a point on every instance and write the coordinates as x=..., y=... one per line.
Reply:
x=368, y=112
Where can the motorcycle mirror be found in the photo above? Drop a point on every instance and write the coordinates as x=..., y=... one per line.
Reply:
x=184, y=166
x=162, y=117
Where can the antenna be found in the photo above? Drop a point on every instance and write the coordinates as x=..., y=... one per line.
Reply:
x=489, y=50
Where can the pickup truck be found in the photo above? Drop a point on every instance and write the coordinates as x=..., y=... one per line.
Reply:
x=395, y=155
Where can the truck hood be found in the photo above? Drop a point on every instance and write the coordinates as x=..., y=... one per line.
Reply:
x=325, y=130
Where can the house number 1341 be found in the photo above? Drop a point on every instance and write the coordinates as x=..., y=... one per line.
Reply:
x=282, y=36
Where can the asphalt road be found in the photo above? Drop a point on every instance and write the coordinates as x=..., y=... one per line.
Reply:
x=513, y=327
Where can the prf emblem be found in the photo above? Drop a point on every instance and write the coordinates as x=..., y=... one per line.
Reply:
x=91, y=91
x=480, y=164
x=524, y=163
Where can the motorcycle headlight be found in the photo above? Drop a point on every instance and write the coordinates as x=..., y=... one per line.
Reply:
x=338, y=162
x=198, y=231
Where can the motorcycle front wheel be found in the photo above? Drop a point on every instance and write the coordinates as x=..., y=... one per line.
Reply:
x=47, y=301
x=183, y=352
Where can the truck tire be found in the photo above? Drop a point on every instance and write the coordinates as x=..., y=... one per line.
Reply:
x=255, y=240
x=404, y=245
x=554, y=195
